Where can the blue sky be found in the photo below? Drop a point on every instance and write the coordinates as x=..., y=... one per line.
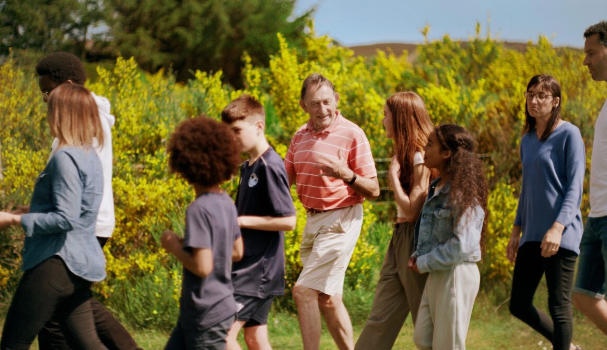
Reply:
x=353, y=22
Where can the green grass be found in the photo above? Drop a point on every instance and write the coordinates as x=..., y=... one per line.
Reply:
x=491, y=328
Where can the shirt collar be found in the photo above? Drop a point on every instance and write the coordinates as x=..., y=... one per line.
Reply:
x=443, y=190
x=332, y=127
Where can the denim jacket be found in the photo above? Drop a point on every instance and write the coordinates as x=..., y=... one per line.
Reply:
x=442, y=242
x=63, y=212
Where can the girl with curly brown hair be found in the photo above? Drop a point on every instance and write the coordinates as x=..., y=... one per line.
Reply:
x=399, y=289
x=449, y=239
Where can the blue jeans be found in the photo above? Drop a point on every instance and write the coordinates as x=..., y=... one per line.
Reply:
x=213, y=338
x=592, y=268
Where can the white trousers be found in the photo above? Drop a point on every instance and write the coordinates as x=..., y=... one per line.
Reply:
x=446, y=307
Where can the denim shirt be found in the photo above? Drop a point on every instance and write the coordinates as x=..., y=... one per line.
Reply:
x=442, y=242
x=63, y=212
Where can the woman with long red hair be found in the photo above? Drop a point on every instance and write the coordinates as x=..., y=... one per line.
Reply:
x=399, y=288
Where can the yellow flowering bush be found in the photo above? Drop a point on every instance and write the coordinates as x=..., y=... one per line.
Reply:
x=496, y=268
x=24, y=142
x=479, y=85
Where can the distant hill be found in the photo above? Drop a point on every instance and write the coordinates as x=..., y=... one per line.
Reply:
x=398, y=48
x=395, y=48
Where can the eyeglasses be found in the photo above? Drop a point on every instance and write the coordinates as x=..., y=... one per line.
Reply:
x=539, y=95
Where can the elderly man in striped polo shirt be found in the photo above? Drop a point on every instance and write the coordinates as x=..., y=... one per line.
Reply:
x=330, y=162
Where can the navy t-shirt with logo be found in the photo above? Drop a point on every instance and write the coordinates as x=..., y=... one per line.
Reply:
x=263, y=191
x=211, y=223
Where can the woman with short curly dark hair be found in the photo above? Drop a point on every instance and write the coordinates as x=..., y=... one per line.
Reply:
x=205, y=153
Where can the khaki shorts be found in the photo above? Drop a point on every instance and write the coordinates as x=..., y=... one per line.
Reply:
x=327, y=244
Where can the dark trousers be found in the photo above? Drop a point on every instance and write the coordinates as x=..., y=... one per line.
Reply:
x=47, y=291
x=559, y=270
x=212, y=338
x=112, y=334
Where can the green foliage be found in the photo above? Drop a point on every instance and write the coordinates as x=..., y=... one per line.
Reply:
x=495, y=267
x=181, y=36
x=150, y=300
x=202, y=34
x=479, y=85
x=48, y=25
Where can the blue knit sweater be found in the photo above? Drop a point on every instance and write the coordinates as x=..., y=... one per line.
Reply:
x=553, y=178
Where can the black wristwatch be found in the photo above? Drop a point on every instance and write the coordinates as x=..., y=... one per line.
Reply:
x=351, y=182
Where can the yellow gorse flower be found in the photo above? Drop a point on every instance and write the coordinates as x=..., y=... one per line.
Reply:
x=479, y=85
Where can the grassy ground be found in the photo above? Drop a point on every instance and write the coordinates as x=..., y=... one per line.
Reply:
x=491, y=328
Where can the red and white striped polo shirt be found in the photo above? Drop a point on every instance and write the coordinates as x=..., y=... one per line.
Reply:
x=307, y=149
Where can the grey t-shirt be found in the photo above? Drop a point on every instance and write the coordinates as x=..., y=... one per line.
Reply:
x=211, y=222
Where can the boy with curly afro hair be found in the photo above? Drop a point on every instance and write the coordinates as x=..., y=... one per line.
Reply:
x=205, y=153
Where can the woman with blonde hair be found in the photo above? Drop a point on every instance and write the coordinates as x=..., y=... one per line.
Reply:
x=399, y=288
x=61, y=256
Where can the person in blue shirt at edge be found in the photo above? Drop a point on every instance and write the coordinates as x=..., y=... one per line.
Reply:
x=548, y=213
x=265, y=209
x=61, y=256
x=449, y=239
x=203, y=151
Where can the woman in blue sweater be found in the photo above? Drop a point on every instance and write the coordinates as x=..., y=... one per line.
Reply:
x=61, y=256
x=548, y=213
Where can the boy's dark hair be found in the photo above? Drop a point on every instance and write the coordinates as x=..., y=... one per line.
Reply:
x=203, y=151
x=61, y=67
x=313, y=80
x=600, y=29
x=242, y=107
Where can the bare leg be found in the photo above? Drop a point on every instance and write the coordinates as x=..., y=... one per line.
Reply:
x=231, y=339
x=256, y=337
x=595, y=309
x=337, y=319
x=308, y=315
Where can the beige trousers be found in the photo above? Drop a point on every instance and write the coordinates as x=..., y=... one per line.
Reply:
x=398, y=292
x=327, y=245
x=446, y=307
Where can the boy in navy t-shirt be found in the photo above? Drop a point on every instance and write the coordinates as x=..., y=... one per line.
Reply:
x=265, y=210
x=203, y=152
